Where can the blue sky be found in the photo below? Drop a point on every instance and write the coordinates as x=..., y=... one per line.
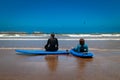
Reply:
x=41, y=14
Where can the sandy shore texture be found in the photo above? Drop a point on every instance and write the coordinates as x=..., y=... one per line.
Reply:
x=104, y=66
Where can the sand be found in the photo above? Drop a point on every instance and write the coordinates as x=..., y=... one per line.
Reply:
x=104, y=66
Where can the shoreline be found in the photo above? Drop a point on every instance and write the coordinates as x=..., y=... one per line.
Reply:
x=63, y=44
x=90, y=49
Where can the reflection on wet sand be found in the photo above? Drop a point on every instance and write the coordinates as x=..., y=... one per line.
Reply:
x=52, y=61
x=104, y=66
x=83, y=62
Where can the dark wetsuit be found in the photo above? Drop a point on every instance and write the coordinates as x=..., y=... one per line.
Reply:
x=52, y=44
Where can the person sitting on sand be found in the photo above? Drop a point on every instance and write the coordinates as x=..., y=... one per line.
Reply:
x=52, y=43
x=81, y=47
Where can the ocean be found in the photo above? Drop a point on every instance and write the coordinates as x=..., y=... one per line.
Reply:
x=62, y=29
x=66, y=41
x=42, y=36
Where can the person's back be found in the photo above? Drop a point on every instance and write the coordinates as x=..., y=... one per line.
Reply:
x=52, y=43
x=81, y=47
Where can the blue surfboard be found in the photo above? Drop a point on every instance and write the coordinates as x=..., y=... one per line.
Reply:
x=82, y=54
x=41, y=52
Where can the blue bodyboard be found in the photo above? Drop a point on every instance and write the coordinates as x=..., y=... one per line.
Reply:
x=41, y=52
x=82, y=54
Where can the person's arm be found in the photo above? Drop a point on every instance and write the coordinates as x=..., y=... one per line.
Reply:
x=86, y=47
x=47, y=43
x=57, y=42
x=76, y=48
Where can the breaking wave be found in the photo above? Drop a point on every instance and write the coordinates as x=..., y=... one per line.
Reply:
x=60, y=36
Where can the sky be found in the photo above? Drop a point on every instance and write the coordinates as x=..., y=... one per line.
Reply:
x=60, y=14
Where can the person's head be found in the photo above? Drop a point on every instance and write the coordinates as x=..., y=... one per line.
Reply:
x=82, y=41
x=52, y=35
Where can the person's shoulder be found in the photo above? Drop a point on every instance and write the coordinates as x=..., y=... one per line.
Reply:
x=85, y=45
x=49, y=39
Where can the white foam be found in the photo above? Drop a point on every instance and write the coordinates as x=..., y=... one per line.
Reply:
x=69, y=35
x=19, y=35
x=93, y=35
x=68, y=39
x=61, y=36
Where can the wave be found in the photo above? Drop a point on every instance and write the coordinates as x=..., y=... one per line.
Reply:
x=60, y=36
x=70, y=35
x=67, y=39
x=93, y=35
x=23, y=35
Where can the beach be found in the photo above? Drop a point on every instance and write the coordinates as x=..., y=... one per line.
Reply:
x=103, y=66
x=28, y=24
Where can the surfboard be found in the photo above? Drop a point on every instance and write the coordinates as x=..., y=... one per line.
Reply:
x=41, y=52
x=82, y=54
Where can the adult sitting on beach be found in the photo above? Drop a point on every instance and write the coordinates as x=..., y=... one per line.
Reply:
x=81, y=47
x=52, y=43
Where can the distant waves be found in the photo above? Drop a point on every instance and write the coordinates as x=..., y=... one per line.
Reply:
x=60, y=36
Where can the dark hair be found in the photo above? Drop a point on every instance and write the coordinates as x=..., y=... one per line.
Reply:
x=82, y=41
x=52, y=35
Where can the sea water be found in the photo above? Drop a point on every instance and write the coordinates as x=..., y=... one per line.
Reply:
x=60, y=36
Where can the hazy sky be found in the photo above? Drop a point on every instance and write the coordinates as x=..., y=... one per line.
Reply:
x=60, y=13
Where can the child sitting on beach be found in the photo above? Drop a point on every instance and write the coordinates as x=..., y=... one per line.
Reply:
x=52, y=43
x=81, y=47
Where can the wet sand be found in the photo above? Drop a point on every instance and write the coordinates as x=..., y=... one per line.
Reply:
x=104, y=66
